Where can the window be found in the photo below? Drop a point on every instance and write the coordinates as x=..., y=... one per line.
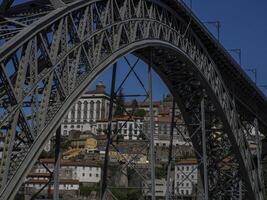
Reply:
x=96, y=175
x=79, y=111
x=187, y=168
x=130, y=129
x=90, y=174
x=85, y=110
x=165, y=129
x=103, y=108
x=193, y=176
x=73, y=113
x=98, y=110
x=159, y=129
x=92, y=105
x=83, y=174
x=66, y=119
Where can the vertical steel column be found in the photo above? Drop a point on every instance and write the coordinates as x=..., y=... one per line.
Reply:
x=204, y=149
x=57, y=164
x=258, y=149
x=112, y=97
x=152, y=151
x=240, y=190
x=170, y=152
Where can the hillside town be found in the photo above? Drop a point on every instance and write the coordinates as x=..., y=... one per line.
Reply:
x=83, y=143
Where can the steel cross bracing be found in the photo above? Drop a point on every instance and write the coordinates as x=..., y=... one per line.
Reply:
x=128, y=165
x=48, y=62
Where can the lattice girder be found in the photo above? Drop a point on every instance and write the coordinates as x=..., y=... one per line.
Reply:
x=50, y=63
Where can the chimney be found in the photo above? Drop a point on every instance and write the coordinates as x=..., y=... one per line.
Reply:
x=100, y=87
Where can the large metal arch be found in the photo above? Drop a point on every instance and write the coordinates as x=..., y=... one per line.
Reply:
x=17, y=178
x=39, y=143
x=178, y=8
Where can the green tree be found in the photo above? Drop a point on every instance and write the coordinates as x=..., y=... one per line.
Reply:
x=140, y=113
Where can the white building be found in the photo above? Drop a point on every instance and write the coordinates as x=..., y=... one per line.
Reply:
x=92, y=106
x=163, y=131
x=83, y=171
x=90, y=114
x=124, y=126
x=64, y=185
x=186, y=177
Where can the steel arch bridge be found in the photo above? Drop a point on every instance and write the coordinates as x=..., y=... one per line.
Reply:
x=51, y=50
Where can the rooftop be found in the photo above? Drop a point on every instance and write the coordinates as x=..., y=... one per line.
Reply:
x=63, y=163
x=42, y=181
x=187, y=162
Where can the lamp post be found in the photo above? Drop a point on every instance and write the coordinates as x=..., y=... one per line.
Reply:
x=217, y=25
x=254, y=72
x=264, y=87
x=190, y=3
x=238, y=52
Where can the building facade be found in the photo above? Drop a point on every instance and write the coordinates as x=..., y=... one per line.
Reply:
x=83, y=171
x=92, y=106
x=186, y=178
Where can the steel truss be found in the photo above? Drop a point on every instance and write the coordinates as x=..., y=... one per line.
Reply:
x=128, y=166
x=48, y=57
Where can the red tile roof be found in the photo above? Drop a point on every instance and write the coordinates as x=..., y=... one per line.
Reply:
x=42, y=181
x=71, y=163
x=187, y=162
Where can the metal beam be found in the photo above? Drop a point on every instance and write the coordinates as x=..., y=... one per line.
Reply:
x=204, y=150
x=57, y=3
x=109, y=132
x=151, y=122
x=57, y=164
x=168, y=191
x=5, y=5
